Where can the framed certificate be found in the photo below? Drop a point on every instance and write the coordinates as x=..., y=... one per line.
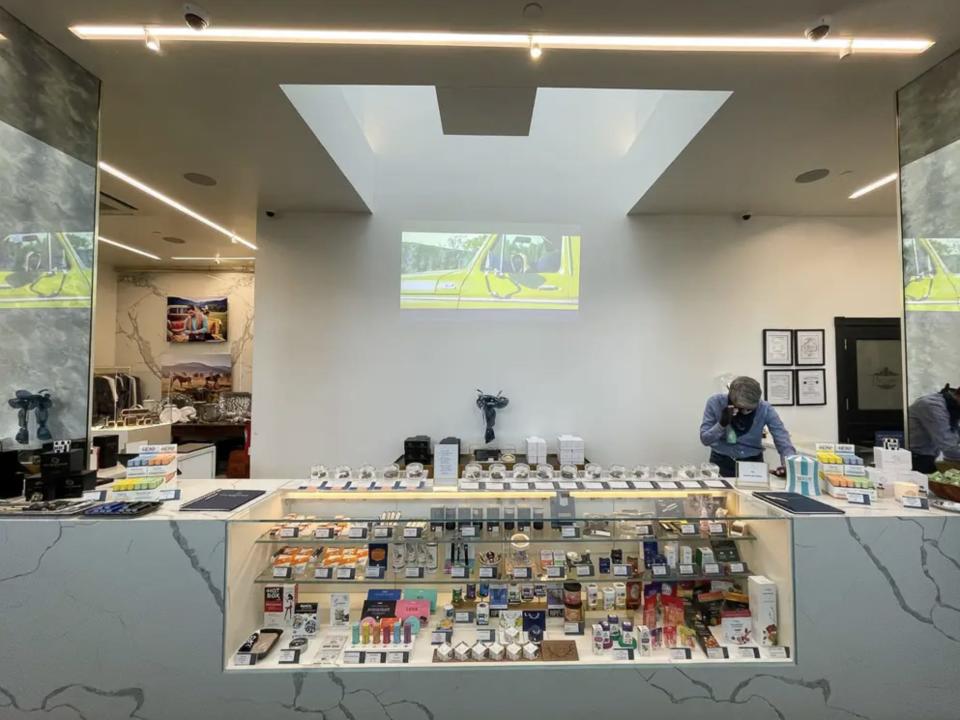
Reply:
x=811, y=387
x=778, y=347
x=778, y=386
x=808, y=345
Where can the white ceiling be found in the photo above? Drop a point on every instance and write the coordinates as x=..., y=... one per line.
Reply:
x=219, y=109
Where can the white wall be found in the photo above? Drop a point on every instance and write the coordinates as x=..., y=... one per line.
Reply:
x=668, y=304
x=105, y=317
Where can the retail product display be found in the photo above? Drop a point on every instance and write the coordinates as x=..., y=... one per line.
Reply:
x=40, y=402
x=489, y=404
x=153, y=467
x=417, y=449
x=504, y=577
x=803, y=475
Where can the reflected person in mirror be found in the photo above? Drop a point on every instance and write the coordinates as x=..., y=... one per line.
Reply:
x=733, y=423
x=933, y=421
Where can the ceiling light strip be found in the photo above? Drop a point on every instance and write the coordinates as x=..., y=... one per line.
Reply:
x=874, y=185
x=143, y=187
x=649, y=43
x=128, y=248
x=216, y=259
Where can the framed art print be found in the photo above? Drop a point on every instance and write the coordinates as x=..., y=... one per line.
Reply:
x=778, y=386
x=778, y=347
x=808, y=345
x=811, y=387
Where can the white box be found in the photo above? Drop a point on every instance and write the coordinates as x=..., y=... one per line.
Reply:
x=536, y=450
x=893, y=460
x=763, y=610
x=570, y=449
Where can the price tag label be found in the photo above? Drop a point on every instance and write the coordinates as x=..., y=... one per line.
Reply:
x=289, y=532
x=396, y=656
x=857, y=498
x=463, y=616
x=458, y=571
x=660, y=570
x=486, y=635
x=438, y=637
x=168, y=495
x=779, y=652
x=346, y=573
x=618, y=485
x=622, y=570
x=680, y=653
x=686, y=569
x=690, y=484
x=323, y=573
x=584, y=570
x=737, y=567
x=357, y=533
x=716, y=528
x=748, y=652
x=568, y=485
x=494, y=486
x=913, y=501
x=373, y=658
x=412, y=532
x=374, y=572
x=714, y=483
x=688, y=529
x=645, y=530
x=282, y=572
x=522, y=573
x=572, y=628
x=383, y=532
x=468, y=531
x=95, y=495
x=711, y=568
x=543, y=485
x=488, y=571
x=717, y=653
x=519, y=486
x=556, y=571
x=352, y=657
x=413, y=572
x=592, y=485
x=324, y=533
x=245, y=659
x=465, y=485
x=622, y=653
x=570, y=531
x=667, y=484
x=289, y=657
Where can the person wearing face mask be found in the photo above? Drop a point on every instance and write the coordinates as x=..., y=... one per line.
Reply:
x=933, y=429
x=733, y=424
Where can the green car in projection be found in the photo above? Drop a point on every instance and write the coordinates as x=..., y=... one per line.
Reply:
x=46, y=270
x=467, y=271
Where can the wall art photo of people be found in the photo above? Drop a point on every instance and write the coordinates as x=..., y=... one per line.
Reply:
x=196, y=320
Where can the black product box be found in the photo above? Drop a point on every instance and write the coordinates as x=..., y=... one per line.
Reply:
x=12, y=473
x=109, y=450
x=36, y=487
x=378, y=608
x=417, y=449
x=73, y=486
x=55, y=465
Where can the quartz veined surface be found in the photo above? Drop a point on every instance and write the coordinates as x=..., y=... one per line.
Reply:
x=123, y=619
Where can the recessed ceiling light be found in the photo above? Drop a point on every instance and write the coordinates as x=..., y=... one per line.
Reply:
x=649, y=43
x=128, y=248
x=874, y=185
x=174, y=240
x=143, y=187
x=533, y=10
x=199, y=179
x=811, y=176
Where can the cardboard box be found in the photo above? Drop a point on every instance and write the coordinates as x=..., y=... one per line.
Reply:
x=279, y=602
x=763, y=610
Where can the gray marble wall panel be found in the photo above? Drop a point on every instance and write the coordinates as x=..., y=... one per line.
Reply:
x=929, y=109
x=48, y=177
x=119, y=620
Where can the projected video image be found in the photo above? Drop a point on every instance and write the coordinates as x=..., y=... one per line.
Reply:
x=467, y=271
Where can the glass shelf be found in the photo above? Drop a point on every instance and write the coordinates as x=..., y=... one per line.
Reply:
x=484, y=539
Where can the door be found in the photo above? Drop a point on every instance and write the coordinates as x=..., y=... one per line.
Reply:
x=869, y=378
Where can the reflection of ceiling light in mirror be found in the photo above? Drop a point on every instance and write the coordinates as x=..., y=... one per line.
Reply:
x=217, y=258
x=143, y=187
x=649, y=43
x=535, y=50
x=128, y=248
x=874, y=185
x=150, y=40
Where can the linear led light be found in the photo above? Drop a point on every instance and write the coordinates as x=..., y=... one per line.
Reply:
x=874, y=185
x=143, y=187
x=217, y=259
x=128, y=248
x=649, y=43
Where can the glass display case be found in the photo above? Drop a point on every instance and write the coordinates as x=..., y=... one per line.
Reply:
x=470, y=579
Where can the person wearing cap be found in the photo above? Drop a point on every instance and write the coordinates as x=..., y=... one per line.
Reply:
x=733, y=424
x=933, y=421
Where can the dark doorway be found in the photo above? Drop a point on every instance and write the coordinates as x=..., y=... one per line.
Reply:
x=869, y=378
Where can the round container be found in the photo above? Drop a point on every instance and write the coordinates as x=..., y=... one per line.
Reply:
x=391, y=472
x=573, y=614
x=572, y=596
x=415, y=470
x=610, y=597
x=618, y=472
x=593, y=472
x=366, y=472
x=620, y=590
x=521, y=471
x=343, y=472
x=498, y=471
x=593, y=596
x=568, y=472
x=545, y=471
x=641, y=472
x=472, y=471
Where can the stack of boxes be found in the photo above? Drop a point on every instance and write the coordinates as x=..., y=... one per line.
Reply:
x=154, y=466
x=841, y=470
x=570, y=449
x=536, y=451
x=894, y=474
x=63, y=474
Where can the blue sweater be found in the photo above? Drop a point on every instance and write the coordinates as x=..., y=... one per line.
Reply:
x=750, y=443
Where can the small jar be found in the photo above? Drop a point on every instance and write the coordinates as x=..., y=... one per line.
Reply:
x=391, y=472
x=593, y=596
x=617, y=472
x=572, y=594
x=710, y=471
x=665, y=472
x=610, y=597
x=641, y=472
x=415, y=471
x=568, y=472
x=521, y=471
x=473, y=471
x=343, y=472
x=498, y=472
x=545, y=471
x=689, y=472
x=367, y=472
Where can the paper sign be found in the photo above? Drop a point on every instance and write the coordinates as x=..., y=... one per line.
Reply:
x=622, y=570
x=680, y=653
x=686, y=570
x=374, y=572
x=688, y=529
x=519, y=486
x=413, y=572
x=323, y=573
x=352, y=657
x=748, y=652
x=660, y=570
x=396, y=656
x=522, y=573
x=584, y=570
x=667, y=484
x=543, y=485
x=555, y=571
x=290, y=656
x=643, y=485
x=737, y=567
x=496, y=486
x=412, y=532
x=372, y=658
x=857, y=498
x=716, y=528
x=570, y=531
x=324, y=533
x=458, y=571
x=717, y=653
x=779, y=652
x=168, y=495
x=282, y=572
x=690, y=484
x=714, y=483
x=95, y=495
x=357, y=533
x=711, y=569
x=469, y=485
x=622, y=654
x=488, y=571
x=618, y=485
x=382, y=532
x=486, y=635
x=289, y=532
x=914, y=501
x=593, y=486
x=346, y=573
x=244, y=659
x=468, y=531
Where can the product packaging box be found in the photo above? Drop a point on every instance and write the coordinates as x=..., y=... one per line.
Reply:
x=570, y=449
x=305, y=621
x=803, y=475
x=279, y=602
x=892, y=460
x=763, y=609
x=339, y=609
x=736, y=625
x=536, y=451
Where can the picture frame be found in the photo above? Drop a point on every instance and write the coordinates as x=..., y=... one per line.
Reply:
x=811, y=387
x=779, y=387
x=778, y=347
x=808, y=347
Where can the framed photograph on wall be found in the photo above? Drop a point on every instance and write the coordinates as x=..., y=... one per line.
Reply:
x=811, y=387
x=778, y=347
x=778, y=387
x=196, y=319
x=808, y=345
